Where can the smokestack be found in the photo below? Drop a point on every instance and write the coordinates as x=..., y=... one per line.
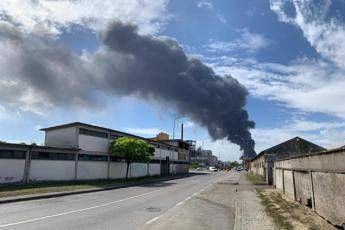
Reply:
x=182, y=131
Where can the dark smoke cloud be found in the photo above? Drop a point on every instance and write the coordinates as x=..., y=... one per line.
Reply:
x=132, y=64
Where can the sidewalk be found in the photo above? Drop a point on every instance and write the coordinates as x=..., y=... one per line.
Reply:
x=231, y=203
x=250, y=214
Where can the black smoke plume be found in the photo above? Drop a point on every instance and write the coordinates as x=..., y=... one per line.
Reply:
x=128, y=63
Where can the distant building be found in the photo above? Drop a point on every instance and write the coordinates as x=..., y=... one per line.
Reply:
x=204, y=158
x=263, y=163
x=161, y=137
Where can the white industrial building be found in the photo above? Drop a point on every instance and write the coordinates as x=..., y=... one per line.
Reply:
x=79, y=151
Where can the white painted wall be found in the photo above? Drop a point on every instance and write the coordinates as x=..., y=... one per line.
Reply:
x=11, y=170
x=88, y=170
x=155, y=169
x=173, y=155
x=93, y=144
x=65, y=137
x=49, y=170
x=138, y=170
x=117, y=170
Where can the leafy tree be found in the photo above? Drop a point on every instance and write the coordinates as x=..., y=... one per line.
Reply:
x=2, y=142
x=194, y=165
x=132, y=150
x=234, y=164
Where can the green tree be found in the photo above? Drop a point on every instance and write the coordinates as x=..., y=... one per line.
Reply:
x=234, y=164
x=132, y=150
x=194, y=165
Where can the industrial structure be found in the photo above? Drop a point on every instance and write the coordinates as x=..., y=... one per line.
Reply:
x=79, y=151
x=204, y=158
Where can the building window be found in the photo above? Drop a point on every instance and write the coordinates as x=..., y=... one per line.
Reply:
x=116, y=159
x=12, y=154
x=52, y=156
x=92, y=133
x=86, y=157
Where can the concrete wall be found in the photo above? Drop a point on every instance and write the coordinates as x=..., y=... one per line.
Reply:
x=51, y=170
x=173, y=155
x=155, y=169
x=279, y=179
x=181, y=168
x=288, y=185
x=64, y=137
x=88, y=170
x=138, y=170
x=259, y=165
x=93, y=144
x=303, y=187
x=11, y=170
x=117, y=170
x=316, y=180
x=329, y=192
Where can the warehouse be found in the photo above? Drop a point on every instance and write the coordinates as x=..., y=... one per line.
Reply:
x=79, y=151
x=263, y=163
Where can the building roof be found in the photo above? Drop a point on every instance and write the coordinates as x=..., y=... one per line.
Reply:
x=285, y=142
x=74, y=124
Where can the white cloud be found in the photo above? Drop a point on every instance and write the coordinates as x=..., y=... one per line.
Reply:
x=205, y=4
x=144, y=131
x=326, y=36
x=326, y=134
x=209, y=6
x=189, y=124
x=309, y=86
x=248, y=42
x=50, y=17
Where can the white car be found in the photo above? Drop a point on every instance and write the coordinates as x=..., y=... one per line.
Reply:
x=213, y=169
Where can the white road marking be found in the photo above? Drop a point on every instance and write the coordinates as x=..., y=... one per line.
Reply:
x=153, y=220
x=77, y=210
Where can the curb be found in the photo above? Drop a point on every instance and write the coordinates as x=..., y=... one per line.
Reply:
x=46, y=196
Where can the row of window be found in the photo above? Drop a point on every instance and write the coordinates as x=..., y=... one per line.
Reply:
x=52, y=156
x=93, y=133
x=35, y=155
x=12, y=154
x=113, y=137
x=86, y=157
x=97, y=134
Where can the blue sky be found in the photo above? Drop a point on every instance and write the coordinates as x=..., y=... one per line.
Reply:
x=289, y=54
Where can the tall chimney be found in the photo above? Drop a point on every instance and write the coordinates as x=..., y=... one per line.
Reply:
x=182, y=131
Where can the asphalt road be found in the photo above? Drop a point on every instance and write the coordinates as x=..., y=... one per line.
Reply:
x=126, y=208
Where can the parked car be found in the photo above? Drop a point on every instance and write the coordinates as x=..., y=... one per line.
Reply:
x=240, y=168
x=213, y=169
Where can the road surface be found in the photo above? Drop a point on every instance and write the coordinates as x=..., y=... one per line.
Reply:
x=126, y=208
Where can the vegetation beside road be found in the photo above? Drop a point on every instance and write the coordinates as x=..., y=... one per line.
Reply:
x=132, y=150
x=255, y=179
x=11, y=190
x=289, y=214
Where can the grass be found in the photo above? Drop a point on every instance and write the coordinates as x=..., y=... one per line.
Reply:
x=255, y=179
x=288, y=214
x=10, y=190
x=275, y=212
